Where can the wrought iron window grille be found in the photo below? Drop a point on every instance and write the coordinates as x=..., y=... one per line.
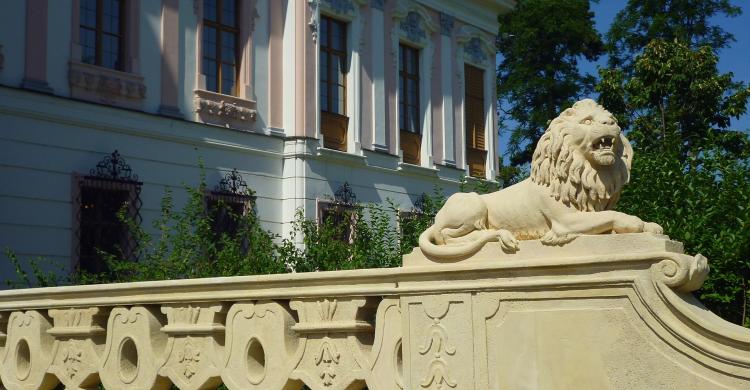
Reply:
x=109, y=189
x=340, y=211
x=230, y=200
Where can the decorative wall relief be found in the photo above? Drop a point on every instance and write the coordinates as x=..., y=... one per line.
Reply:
x=413, y=24
x=224, y=110
x=475, y=47
x=327, y=361
x=446, y=24
x=439, y=344
x=313, y=7
x=107, y=86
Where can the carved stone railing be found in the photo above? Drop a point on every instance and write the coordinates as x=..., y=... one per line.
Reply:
x=603, y=312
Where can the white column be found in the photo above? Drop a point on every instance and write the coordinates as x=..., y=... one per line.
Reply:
x=379, y=99
x=446, y=62
x=354, y=94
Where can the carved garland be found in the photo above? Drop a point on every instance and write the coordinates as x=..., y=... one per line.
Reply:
x=225, y=109
x=107, y=85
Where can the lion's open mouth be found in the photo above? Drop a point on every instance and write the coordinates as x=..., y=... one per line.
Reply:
x=603, y=152
x=604, y=143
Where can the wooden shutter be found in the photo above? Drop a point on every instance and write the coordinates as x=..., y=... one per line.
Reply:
x=474, y=110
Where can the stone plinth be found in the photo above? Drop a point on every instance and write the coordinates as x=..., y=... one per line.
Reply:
x=602, y=312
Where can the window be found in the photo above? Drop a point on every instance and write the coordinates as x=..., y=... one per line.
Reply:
x=333, y=70
x=221, y=55
x=476, y=152
x=408, y=100
x=102, y=33
x=109, y=189
x=231, y=200
x=340, y=212
x=341, y=217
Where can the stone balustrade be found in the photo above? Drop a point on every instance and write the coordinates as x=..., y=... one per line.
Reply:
x=611, y=311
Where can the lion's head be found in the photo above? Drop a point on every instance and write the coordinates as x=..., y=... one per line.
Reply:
x=583, y=158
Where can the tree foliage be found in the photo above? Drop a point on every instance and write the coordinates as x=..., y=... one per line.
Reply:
x=691, y=172
x=688, y=21
x=676, y=98
x=541, y=42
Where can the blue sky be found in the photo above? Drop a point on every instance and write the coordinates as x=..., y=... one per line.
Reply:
x=735, y=59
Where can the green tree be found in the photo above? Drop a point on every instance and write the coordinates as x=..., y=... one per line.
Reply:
x=675, y=98
x=691, y=172
x=541, y=42
x=689, y=21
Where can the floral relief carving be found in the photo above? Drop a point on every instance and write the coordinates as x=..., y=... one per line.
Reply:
x=189, y=358
x=437, y=344
x=474, y=50
x=72, y=357
x=327, y=360
x=187, y=315
x=226, y=109
x=327, y=309
x=446, y=24
x=23, y=320
x=313, y=7
x=412, y=27
x=108, y=85
x=340, y=6
x=476, y=46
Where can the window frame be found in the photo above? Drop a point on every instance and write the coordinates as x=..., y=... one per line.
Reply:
x=476, y=101
x=131, y=187
x=219, y=59
x=403, y=77
x=99, y=34
x=330, y=52
x=328, y=208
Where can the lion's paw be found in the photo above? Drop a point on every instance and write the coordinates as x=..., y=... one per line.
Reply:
x=508, y=241
x=552, y=238
x=651, y=227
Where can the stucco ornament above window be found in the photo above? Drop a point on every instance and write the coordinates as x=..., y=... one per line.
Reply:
x=413, y=23
x=478, y=49
x=578, y=169
x=345, y=9
x=224, y=110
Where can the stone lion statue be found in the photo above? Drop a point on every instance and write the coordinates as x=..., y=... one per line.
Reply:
x=577, y=171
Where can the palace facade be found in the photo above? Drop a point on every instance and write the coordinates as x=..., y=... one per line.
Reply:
x=283, y=103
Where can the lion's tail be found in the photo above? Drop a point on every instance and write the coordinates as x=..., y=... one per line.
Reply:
x=450, y=252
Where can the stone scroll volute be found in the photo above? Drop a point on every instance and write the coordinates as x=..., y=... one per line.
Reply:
x=261, y=350
x=134, y=350
x=28, y=352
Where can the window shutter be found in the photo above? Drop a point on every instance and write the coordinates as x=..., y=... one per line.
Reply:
x=474, y=110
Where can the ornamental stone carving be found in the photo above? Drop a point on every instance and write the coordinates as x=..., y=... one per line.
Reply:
x=225, y=110
x=446, y=24
x=413, y=23
x=475, y=47
x=108, y=86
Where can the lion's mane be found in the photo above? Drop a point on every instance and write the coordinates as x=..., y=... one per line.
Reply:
x=572, y=179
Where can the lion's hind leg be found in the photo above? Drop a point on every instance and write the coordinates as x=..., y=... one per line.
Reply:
x=463, y=233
